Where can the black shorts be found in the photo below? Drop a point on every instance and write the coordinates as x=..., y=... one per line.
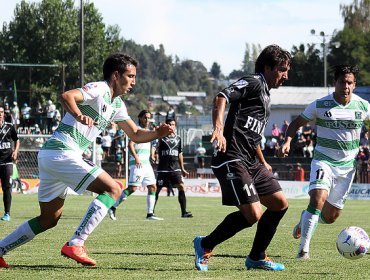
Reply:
x=165, y=179
x=242, y=185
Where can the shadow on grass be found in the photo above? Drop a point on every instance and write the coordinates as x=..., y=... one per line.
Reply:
x=174, y=254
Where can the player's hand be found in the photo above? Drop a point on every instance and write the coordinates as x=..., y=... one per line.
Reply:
x=284, y=150
x=218, y=141
x=138, y=164
x=86, y=120
x=184, y=172
x=268, y=166
x=14, y=156
x=164, y=130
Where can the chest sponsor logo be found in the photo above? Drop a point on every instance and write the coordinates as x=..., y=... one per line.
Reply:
x=255, y=125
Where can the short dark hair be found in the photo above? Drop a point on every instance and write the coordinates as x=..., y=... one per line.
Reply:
x=170, y=120
x=272, y=56
x=117, y=62
x=342, y=69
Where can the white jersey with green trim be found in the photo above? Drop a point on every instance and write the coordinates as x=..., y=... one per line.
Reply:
x=97, y=104
x=338, y=129
x=143, y=152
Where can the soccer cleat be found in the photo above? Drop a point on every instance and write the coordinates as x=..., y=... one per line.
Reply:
x=152, y=217
x=187, y=215
x=3, y=263
x=297, y=228
x=201, y=255
x=112, y=213
x=266, y=264
x=6, y=217
x=77, y=253
x=302, y=255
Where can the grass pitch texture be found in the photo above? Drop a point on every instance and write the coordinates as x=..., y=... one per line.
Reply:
x=134, y=248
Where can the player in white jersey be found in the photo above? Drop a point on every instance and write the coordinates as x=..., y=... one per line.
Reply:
x=339, y=118
x=141, y=171
x=88, y=112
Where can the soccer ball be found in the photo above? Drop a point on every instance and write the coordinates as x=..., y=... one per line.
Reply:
x=353, y=243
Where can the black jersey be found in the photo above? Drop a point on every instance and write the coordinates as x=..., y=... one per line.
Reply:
x=246, y=120
x=169, y=149
x=7, y=136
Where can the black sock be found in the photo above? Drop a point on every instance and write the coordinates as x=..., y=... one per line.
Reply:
x=266, y=229
x=232, y=224
x=182, y=201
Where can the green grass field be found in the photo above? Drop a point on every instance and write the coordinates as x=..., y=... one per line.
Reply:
x=133, y=248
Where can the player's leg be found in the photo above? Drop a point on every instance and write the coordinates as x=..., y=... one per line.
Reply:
x=309, y=221
x=124, y=195
x=320, y=182
x=5, y=174
x=232, y=195
x=177, y=181
x=161, y=182
x=134, y=181
x=272, y=197
x=50, y=212
x=150, y=201
x=337, y=196
x=108, y=192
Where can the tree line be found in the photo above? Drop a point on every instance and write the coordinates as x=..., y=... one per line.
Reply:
x=47, y=32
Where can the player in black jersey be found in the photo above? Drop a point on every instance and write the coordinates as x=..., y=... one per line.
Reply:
x=245, y=177
x=171, y=167
x=9, y=147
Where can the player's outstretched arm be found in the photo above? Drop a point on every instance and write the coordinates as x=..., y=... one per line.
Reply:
x=142, y=136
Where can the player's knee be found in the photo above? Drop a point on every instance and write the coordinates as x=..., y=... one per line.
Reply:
x=48, y=222
x=115, y=192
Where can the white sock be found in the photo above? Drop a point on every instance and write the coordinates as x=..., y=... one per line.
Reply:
x=150, y=202
x=94, y=215
x=20, y=236
x=308, y=225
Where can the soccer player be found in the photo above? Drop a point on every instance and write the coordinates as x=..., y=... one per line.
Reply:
x=89, y=110
x=339, y=118
x=246, y=179
x=141, y=171
x=171, y=166
x=9, y=147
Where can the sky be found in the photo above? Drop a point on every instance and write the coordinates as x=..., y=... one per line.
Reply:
x=215, y=30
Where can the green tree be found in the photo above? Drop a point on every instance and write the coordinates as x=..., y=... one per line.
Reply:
x=216, y=70
x=47, y=32
x=307, y=66
x=354, y=39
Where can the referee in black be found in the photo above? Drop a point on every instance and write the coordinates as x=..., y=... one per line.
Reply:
x=9, y=147
x=245, y=177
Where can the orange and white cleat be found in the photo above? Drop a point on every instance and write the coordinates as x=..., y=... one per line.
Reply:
x=77, y=253
x=3, y=263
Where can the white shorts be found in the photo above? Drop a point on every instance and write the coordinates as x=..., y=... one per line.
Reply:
x=143, y=176
x=337, y=181
x=62, y=169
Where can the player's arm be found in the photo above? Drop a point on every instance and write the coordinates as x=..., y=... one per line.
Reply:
x=181, y=163
x=142, y=135
x=69, y=100
x=261, y=158
x=218, y=112
x=289, y=135
x=17, y=144
x=131, y=146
